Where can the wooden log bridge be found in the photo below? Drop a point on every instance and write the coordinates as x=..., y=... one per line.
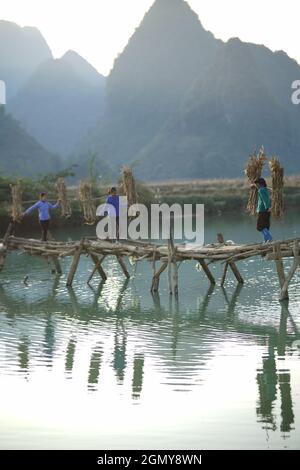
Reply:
x=169, y=256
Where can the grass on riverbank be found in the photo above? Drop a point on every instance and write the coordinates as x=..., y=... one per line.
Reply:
x=219, y=195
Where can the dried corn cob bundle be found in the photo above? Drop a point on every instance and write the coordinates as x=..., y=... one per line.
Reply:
x=16, y=208
x=253, y=171
x=88, y=206
x=277, y=173
x=65, y=206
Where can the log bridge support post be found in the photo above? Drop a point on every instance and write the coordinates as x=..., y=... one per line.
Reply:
x=207, y=271
x=75, y=262
x=123, y=266
x=156, y=276
x=57, y=265
x=284, y=280
x=230, y=264
x=3, y=251
x=172, y=268
x=98, y=267
x=55, y=260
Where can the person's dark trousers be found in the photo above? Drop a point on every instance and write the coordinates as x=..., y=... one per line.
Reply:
x=117, y=227
x=263, y=220
x=263, y=225
x=45, y=227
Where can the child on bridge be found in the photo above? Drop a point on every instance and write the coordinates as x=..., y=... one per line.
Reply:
x=43, y=206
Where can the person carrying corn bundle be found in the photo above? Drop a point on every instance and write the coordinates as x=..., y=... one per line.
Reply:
x=263, y=210
x=43, y=206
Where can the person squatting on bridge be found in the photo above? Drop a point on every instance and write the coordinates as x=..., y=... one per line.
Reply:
x=43, y=206
x=264, y=210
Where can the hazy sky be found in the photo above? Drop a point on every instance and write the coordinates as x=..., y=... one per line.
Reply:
x=100, y=29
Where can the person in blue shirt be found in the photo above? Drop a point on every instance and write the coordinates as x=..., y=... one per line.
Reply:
x=43, y=206
x=264, y=209
x=114, y=200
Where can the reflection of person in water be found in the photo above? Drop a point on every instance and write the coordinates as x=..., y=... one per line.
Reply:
x=70, y=356
x=94, y=369
x=287, y=414
x=138, y=372
x=268, y=380
x=49, y=343
x=119, y=362
x=23, y=349
x=267, y=383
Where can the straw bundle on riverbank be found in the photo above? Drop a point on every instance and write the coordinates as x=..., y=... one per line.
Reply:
x=88, y=206
x=65, y=206
x=128, y=184
x=16, y=208
x=253, y=171
x=277, y=173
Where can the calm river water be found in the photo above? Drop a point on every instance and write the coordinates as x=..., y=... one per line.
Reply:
x=113, y=367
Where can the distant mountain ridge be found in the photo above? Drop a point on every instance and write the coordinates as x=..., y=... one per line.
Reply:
x=165, y=55
x=84, y=69
x=60, y=102
x=22, y=50
x=227, y=114
x=55, y=100
x=182, y=104
x=20, y=154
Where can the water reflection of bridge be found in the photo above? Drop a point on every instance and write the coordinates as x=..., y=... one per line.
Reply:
x=273, y=383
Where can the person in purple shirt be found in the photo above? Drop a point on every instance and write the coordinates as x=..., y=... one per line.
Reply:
x=114, y=200
x=43, y=206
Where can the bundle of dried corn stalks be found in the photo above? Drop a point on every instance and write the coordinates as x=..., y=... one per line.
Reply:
x=88, y=206
x=16, y=208
x=128, y=184
x=253, y=171
x=65, y=206
x=277, y=173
